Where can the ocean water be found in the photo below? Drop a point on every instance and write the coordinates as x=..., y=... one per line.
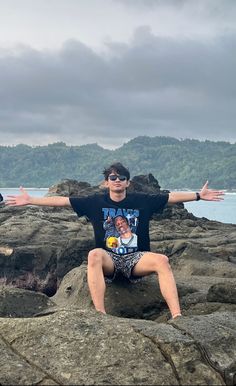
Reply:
x=224, y=211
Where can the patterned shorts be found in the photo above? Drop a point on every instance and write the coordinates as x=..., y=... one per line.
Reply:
x=124, y=264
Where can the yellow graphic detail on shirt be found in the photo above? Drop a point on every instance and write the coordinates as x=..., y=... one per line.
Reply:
x=112, y=242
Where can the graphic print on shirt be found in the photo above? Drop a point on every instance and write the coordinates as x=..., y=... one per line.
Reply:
x=120, y=227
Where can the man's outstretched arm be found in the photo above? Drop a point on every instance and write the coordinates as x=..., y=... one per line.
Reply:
x=204, y=194
x=25, y=199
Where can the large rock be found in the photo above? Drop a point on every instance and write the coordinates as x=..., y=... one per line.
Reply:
x=19, y=303
x=122, y=298
x=145, y=184
x=222, y=292
x=82, y=347
x=38, y=246
x=72, y=188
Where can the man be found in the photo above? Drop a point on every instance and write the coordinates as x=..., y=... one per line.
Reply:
x=108, y=258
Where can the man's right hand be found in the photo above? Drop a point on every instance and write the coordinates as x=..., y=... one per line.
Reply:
x=20, y=200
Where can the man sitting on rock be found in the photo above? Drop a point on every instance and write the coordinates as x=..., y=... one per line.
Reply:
x=132, y=257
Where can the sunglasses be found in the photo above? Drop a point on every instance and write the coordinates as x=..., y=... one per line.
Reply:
x=113, y=177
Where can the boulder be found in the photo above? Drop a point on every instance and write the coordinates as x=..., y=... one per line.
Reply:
x=83, y=347
x=122, y=298
x=145, y=184
x=222, y=292
x=19, y=303
x=70, y=187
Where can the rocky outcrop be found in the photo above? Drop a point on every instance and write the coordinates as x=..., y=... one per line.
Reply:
x=39, y=245
x=72, y=344
x=50, y=333
x=73, y=188
x=20, y=303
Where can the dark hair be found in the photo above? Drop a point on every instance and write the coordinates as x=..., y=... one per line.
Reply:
x=118, y=168
x=123, y=218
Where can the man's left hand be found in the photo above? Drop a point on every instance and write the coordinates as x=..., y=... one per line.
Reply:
x=211, y=195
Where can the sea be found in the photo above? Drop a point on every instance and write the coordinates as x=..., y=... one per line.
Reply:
x=223, y=211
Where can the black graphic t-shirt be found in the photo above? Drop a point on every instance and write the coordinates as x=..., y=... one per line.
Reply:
x=121, y=227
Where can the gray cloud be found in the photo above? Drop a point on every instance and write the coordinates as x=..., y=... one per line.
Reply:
x=150, y=86
x=152, y=3
x=209, y=7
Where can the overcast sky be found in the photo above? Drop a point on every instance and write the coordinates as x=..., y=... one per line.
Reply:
x=106, y=71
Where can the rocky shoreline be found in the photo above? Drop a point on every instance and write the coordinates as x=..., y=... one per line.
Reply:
x=50, y=333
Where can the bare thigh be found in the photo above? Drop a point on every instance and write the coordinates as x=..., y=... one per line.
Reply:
x=149, y=263
x=100, y=256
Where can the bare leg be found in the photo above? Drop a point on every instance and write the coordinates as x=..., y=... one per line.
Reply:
x=154, y=262
x=99, y=263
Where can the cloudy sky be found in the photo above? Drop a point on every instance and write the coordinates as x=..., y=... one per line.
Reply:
x=106, y=71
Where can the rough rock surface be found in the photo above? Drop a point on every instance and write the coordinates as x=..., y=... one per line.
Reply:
x=61, y=339
x=81, y=347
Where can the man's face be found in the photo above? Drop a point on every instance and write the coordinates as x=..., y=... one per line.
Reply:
x=121, y=224
x=117, y=183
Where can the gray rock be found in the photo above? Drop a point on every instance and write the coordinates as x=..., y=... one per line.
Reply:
x=122, y=298
x=215, y=335
x=222, y=293
x=72, y=188
x=82, y=347
x=19, y=303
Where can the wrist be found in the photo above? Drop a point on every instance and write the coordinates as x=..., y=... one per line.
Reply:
x=30, y=200
x=198, y=197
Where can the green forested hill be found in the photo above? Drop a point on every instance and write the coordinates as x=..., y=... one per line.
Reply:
x=175, y=163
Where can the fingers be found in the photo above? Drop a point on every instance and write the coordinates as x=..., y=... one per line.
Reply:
x=10, y=200
x=8, y=203
x=13, y=203
x=205, y=186
x=217, y=191
x=22, y=190
x=214, y=197
x=17, y=200
x=218, y=194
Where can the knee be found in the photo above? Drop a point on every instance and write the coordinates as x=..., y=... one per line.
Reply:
x=95, y=257
x=162, y=263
